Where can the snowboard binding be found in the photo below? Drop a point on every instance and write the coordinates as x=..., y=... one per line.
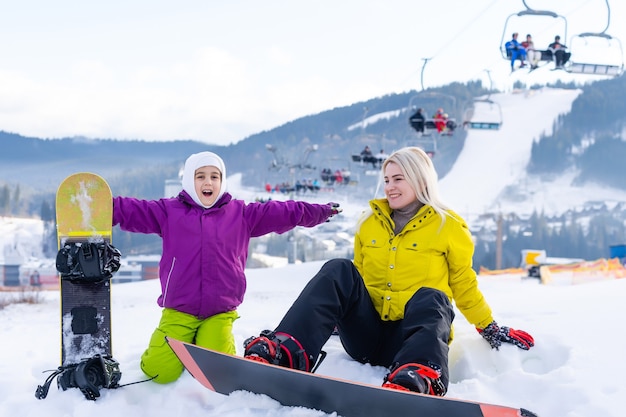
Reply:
x=282, y=349
x=90, y=375
x=88, y=262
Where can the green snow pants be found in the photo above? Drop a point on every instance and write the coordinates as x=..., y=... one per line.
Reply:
x=215, y=332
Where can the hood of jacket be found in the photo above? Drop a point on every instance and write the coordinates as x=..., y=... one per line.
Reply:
x=198, y=160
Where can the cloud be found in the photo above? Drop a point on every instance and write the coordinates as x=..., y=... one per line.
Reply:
x=183, y=99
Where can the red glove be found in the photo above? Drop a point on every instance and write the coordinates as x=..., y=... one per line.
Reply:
x=495, y=335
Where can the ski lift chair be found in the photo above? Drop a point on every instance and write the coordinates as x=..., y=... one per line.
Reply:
x=546, y=55
x=613, y=69
x=489, y=121
x=429, y=123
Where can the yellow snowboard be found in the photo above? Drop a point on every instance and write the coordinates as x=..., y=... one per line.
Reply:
x=84, y=211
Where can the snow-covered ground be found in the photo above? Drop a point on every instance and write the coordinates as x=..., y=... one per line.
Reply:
x=574, y=370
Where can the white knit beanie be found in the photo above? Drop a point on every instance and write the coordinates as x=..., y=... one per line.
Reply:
x=196, y=161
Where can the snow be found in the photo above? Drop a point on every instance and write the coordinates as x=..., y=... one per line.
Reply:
x=504, y=153
x=374, y=119
x=490, y=175
x=574, y=370
x=19, y=239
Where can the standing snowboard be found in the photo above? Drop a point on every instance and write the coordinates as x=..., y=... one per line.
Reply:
x=84, y=211
x=228, y=373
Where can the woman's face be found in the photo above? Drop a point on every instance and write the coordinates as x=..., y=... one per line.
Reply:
x=397, y=189
x=208, y=181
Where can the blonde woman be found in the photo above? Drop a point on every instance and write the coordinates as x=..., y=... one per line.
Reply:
x=392, y=304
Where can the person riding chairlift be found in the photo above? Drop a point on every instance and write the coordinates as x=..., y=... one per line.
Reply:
x=417, y=120
x=534, y=56
x=440, y=119
x=559, y=52
x=515, y=50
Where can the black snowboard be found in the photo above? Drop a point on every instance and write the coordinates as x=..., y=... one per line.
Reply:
x=227, y=373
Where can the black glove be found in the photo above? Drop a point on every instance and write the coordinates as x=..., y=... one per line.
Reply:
x=495, y=335
x=334, y=209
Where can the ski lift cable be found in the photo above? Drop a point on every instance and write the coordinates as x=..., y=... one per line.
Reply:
x=608, y=23
x=453, y=39
x=464, y=29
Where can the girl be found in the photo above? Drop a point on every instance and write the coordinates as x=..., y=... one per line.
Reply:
x=205, y=235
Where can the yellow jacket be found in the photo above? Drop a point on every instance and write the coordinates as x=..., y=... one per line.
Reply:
x=423, y=254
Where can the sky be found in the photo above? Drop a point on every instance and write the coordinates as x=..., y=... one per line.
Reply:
x=221, y=71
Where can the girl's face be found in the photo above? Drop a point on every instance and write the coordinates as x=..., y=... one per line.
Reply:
x=208, y=182
x=397, y=189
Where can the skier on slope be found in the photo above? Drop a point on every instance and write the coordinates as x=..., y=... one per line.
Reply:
x=205, y=236
x=392, y=304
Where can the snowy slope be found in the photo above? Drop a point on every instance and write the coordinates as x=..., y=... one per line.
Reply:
x=491, y=160
x=490, y=176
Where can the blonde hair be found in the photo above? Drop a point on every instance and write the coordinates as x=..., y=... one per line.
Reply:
x=418, y=169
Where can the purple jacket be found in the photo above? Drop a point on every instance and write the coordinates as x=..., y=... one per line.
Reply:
x=205, y=250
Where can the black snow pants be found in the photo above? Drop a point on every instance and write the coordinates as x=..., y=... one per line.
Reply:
x=337, y=295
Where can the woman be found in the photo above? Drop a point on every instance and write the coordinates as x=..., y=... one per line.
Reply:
x=392, y=304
